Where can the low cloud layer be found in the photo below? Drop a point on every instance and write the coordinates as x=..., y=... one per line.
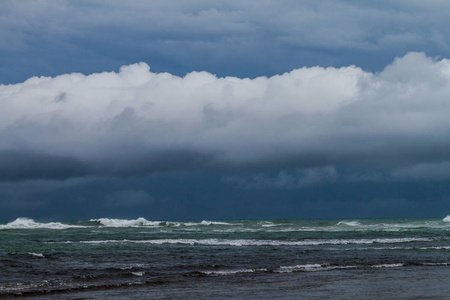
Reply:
x=136, y=122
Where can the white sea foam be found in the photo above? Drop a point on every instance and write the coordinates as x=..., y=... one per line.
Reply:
x=209, y=223
x=326, y=267
x=252, y=242
x=24, y=286
x=311, y=268
x=142, y=222
x=307, y=267
x=232, y=272
x=399, y=226
x=349, y=223
x=387, y=266
x=436, y=248
x=268, y=224
x=126, y=223
x=25, y=223
x=36, y=254
x=436, y=264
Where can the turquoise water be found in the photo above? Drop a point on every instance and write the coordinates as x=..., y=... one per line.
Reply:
x=219, y=259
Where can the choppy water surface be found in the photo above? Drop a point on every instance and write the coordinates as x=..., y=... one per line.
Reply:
x=241, y=259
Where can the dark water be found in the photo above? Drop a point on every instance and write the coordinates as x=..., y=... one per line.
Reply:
x=106, y=258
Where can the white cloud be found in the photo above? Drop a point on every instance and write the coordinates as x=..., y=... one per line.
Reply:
x=135, y=121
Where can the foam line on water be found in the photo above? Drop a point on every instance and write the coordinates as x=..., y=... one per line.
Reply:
x=233, y=272
x=253, y=242
x=310, y=268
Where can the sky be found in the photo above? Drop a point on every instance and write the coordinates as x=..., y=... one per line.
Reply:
x=224, y=109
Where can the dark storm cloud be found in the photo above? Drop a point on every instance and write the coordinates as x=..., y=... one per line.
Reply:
x=136, y=122
x=249, y=38
x=17, y=165
x=127, y=198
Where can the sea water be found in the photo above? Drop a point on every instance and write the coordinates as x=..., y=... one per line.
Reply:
x=314, y=259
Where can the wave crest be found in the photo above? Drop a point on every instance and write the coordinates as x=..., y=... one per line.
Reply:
x=26, y=223
x=253, y=242
x=349, y=223
x=126, y=223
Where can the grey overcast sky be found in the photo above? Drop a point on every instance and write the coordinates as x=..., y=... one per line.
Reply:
x=224, y=109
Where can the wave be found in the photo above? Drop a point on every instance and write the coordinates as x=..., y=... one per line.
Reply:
x=387, y=266
x=25, y=223
x=142, y=222
x=209, y=223
x=349, y=223
x=436, y=264
x=239, y=226
x=252, y=242
x=49, y=287
x=126, y=223
x=231, y=272
x=314, y=267
x=328, y=267
x=36, y=254
x=310, y=268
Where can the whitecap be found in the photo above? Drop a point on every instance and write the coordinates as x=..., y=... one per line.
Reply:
x=446, y=219
x=310, y=268
x=349, y=223
x=436, y=264
x=36, y=254
x=126, y=223
x=252, y=242
x=388, y=266
x=209, y=223
x=233, y=272
x=26, y=223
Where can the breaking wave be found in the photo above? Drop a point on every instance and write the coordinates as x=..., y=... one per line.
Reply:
x=310, y=268
x=36, y=254
x=328, y=267
x=25, y=223
x=139, y=222
x=237, y=226
x=209, y=223
x=314, y=267
x=231, y=272
x=349, y=223
x=125, y=223
x=252, y=242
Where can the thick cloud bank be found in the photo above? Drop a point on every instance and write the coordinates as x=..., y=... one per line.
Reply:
x=136, y=122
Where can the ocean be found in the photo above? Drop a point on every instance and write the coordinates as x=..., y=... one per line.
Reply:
x=239, y=259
